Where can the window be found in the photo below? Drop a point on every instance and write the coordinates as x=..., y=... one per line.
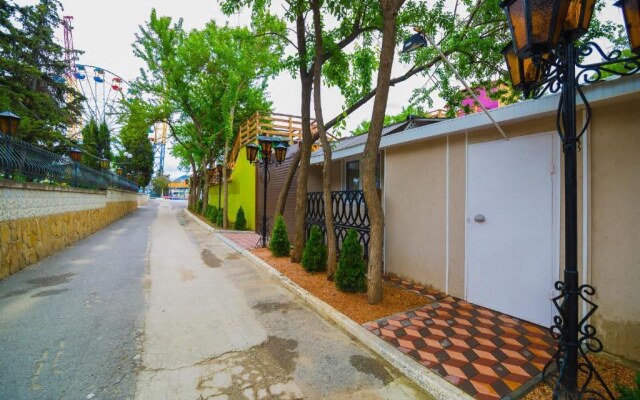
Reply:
x=353, y=175
x=353, y=180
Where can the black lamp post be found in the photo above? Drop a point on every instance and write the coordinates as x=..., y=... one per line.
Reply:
x=543, y=58
x=265, y=152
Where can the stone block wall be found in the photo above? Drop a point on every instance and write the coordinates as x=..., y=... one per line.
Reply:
x=38, y=220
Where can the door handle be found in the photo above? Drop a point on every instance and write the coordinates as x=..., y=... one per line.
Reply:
x=479, y=218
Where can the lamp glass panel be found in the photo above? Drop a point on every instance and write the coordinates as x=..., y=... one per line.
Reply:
x=13, y=126
x=4, y=125
x=252, y=152
x=266, y=144
x=578, y=18
x=518, y=22
x=513, y=65
x=541, y=14
x=631, y=11
x=281, y=152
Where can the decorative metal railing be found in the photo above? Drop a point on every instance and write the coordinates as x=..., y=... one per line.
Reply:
x=22, y=161
x=349, y=212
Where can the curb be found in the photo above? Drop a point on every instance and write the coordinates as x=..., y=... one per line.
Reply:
x=429, y=381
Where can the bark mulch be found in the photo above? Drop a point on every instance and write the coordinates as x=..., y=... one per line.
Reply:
x=353, y=305
x=611, y=372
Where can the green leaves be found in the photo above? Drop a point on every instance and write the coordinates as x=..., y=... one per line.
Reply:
x=31, y=67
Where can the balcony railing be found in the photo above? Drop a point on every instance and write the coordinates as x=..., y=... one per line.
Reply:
x=287, y=127
x=21, y=161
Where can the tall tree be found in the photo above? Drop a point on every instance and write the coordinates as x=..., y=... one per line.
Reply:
x=32, y=72
x=390, y=10
x=201, y=82
x=96, y=143
x=332, y=244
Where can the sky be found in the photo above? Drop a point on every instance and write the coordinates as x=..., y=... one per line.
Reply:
x=105, y=30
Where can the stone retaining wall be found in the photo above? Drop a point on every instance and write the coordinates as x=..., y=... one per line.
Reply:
x=38, y=220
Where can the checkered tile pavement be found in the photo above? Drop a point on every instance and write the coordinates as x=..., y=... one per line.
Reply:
x=483, y=352
x=246, y=240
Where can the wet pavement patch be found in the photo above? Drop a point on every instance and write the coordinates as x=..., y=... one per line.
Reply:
x=233, y=256
x=210, y=259
x=53, y=280
x=45, y=293
x=272, y=306
x=262, y=371
x=371, y=366
x=13, y=293
x=283, y=351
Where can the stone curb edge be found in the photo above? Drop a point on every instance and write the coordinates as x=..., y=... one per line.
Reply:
x=429, y=381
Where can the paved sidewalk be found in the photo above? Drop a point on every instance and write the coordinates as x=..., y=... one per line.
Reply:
x=245, y=240
x=487, y=354
x=217, y=327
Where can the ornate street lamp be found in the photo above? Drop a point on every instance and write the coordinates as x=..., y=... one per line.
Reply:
x=76, y=156
x=546, y=60
x=119, y=171
x=9, y=123
x=104, y=163
x=266, y=145
x=129, y=176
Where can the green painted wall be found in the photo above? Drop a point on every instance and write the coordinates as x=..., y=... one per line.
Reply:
x=242, y=191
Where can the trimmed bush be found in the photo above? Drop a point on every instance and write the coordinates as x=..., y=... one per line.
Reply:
x=279, y=244
x=241, y=221
x=630, y=393
x=314, y=256
x=219, y=217
x=351, y=274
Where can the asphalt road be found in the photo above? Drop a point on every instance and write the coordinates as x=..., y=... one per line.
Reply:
x=71, y=325
x=156, y=307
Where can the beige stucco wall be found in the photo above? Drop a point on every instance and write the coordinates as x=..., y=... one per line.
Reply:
x=615, y=226
x=415, y=212
x=314, y=182
x=38, y=220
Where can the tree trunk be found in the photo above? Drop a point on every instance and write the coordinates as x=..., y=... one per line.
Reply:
x=390, y=10
x=205, y=189
x=303, y=171
x=225, y=187
x=326, y=148
x=286, y=185
x=192, y=186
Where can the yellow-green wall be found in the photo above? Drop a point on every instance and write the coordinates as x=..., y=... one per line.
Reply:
x=242, y=191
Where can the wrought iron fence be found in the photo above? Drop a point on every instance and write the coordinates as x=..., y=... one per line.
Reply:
x=21, y=161
x=349, y=212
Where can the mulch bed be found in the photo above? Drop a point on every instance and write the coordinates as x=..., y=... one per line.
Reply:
x=353, y=305
x=612, y=373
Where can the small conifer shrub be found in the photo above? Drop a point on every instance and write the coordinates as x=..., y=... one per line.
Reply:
x=241, y=221
x=219, y=217
x=213, y=214
x=630, y=393
x=279, y=244
x=314, y=256
x=351, y=274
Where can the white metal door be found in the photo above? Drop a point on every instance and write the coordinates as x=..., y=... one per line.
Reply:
x=510, y=226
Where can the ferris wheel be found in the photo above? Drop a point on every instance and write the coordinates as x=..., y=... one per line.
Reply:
x=103, y=92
